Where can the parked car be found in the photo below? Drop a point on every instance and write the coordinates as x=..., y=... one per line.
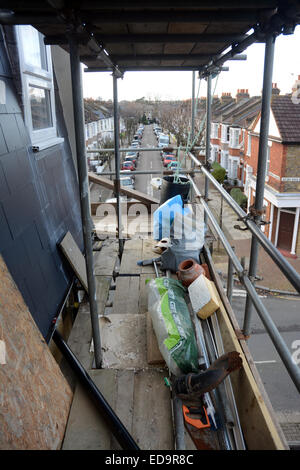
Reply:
x=127, y=182
x=131, y=154
x=131, y=159
x=174, y=166
x=128, y=166
x=135, y=149
x=168, y=159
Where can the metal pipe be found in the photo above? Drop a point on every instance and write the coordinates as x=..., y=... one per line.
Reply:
x=291, y=274
x=193, y=110
x=140, y=149
x=230, y=279
x=149, y=172
x=261, y=166
x=117, y=161
x=115, y=425
x=263, y=313
x=76, y=80
x=235, y=49
x=207, y=136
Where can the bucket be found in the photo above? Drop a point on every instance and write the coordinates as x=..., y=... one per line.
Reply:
x=170, y=189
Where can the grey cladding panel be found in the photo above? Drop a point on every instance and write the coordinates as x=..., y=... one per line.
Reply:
x=39, y=203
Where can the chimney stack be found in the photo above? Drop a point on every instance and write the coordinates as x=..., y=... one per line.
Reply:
x=241, y=94
x=226, y=98
x=275, y=90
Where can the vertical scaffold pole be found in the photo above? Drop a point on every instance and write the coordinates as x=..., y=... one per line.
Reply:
x=261, y=167
x=117, y=160
x=193, y=113
x=207, y=137
x=84, y=192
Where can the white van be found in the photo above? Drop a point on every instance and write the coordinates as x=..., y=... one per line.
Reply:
x=163, y=140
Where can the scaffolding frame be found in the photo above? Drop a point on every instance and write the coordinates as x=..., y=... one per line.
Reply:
x=78, y=33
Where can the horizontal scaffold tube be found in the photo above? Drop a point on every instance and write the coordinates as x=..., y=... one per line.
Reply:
x=142, y=149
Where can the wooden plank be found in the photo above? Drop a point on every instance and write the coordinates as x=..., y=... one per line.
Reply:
x=152, y=416
x=102, y=291
x=131, y=254
x=126, y=298
x=133, y=193
x=76, y=259
x=124, y=401
x=143, y=296
x=105, y=259
x=153, y=353
x=35, y=396
x=86, y=429
x=81, y=335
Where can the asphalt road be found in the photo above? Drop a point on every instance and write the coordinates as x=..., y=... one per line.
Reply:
x=285, y=314
x=148, y=161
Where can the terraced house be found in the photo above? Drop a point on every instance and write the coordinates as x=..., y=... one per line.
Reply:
x=235, y=143
x=282, y=188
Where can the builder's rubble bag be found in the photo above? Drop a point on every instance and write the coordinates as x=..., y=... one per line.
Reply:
x=172, y=325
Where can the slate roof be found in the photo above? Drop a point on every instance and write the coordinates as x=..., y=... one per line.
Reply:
x=287, y=117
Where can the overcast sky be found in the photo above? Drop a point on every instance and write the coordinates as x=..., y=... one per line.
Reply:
x=178, y=85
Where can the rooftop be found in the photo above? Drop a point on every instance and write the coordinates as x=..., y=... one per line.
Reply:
x=287, y=116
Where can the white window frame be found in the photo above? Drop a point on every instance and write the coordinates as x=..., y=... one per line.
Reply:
x=37, y=77
x=225, y=159
x=268, y=162
x=214, y=130
x=234, y=137
x=232, y=159
x=224, y=133
x=249, y=142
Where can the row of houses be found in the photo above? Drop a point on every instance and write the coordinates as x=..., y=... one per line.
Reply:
x=234, y=144
x=99, y=123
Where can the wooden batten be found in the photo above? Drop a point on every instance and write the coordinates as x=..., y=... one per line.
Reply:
x=133, y=193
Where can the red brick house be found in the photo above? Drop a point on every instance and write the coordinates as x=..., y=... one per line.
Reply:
x=282, y=189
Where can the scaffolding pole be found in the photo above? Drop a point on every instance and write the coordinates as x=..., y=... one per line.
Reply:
x=207, y=137
x=84, y=191
x=117, y=160
x=261, y=167
x=193, y=112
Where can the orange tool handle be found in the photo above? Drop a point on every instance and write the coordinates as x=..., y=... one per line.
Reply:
x=197, y=423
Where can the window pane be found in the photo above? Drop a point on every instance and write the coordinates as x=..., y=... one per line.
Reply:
x=34, y=48
x=40, y=107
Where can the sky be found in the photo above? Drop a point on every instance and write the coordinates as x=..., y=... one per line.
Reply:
x=178, y=85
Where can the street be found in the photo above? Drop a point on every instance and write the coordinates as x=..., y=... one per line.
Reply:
x=148, y=161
